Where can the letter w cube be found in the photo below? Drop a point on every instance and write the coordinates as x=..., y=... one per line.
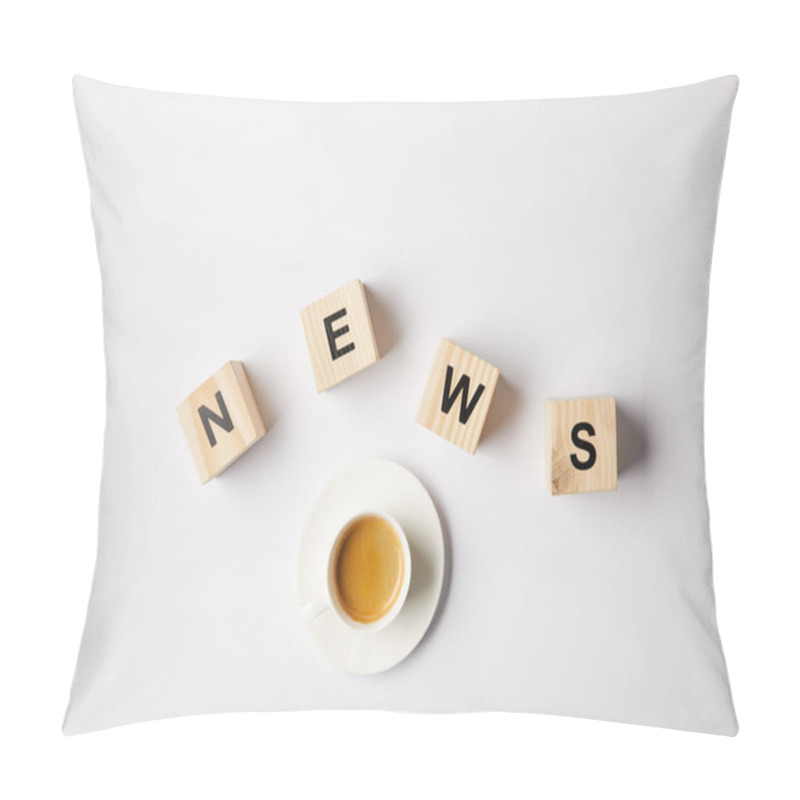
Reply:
x=458, y=395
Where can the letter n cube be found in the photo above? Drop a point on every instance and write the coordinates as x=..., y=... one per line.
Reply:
x=581, y=445
x=339, y=335
x=220, y=420
x=458, y=395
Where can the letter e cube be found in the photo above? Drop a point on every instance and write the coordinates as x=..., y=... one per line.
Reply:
x=339, y=335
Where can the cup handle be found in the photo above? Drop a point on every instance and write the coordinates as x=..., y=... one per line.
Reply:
x=313, y=608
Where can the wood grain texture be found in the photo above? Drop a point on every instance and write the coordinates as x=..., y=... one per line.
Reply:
x=447, y=422
x=561, y=417
x=240, y=413
x=358, y=340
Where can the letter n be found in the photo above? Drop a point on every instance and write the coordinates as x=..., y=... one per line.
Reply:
x=223, y=419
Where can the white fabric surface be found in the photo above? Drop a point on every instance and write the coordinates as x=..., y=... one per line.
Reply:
x=568, y=242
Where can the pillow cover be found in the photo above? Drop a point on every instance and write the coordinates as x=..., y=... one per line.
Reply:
x=568, y=242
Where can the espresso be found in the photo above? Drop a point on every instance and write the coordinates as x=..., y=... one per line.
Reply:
x=369, y=568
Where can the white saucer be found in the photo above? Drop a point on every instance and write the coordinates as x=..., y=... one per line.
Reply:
x=374, y=484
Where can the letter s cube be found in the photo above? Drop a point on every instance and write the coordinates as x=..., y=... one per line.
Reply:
x=581, y=445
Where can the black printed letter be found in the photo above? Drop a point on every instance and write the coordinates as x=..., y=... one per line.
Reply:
x=223, y=419
x=583, y=427
x=333, y=335
x=462, y=388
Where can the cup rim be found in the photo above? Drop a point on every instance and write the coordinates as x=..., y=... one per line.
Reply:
x=333, y=600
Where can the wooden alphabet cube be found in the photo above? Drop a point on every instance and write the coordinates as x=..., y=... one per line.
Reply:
x=581, y=445
x=458, y=395
x=339, y=335
x=220, y=420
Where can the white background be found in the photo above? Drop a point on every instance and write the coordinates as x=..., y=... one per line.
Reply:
x=52, y=403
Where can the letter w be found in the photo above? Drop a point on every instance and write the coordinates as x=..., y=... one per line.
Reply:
x=223, y=419
x=462, y=388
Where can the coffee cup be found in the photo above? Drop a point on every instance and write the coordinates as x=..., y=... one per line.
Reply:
x=368, y=572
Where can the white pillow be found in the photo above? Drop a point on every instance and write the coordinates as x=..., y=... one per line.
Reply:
x=567, y=242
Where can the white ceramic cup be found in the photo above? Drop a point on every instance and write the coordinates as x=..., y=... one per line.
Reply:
x=330, y=587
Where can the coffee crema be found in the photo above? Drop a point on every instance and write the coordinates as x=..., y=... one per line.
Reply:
x=368, y=569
